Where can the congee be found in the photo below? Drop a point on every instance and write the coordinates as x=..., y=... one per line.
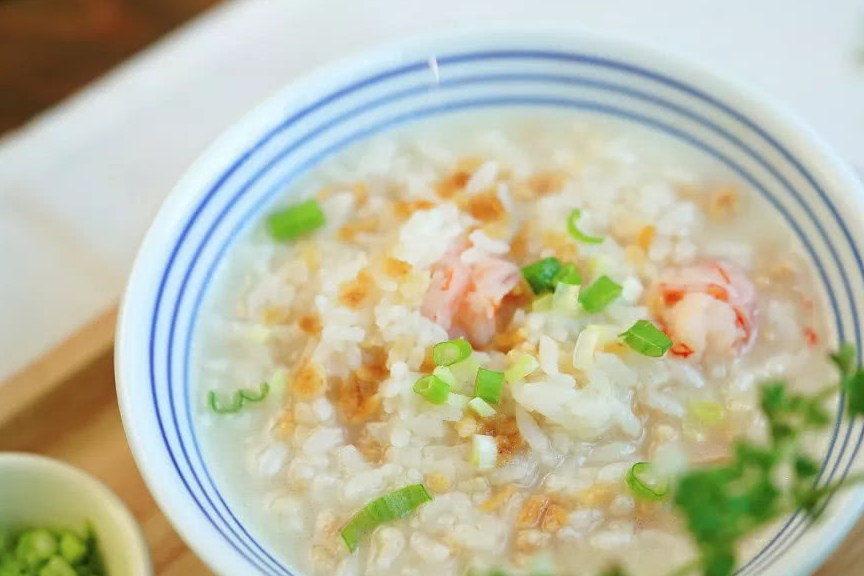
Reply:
x=486, y=343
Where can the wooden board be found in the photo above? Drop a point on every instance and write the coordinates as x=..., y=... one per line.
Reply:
x=65, y=406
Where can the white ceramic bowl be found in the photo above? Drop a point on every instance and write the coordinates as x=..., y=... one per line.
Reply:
x=231, y=185
x=40, y=492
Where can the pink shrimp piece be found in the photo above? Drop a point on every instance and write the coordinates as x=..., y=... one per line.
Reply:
x=465, y=300
x=493, y=278
x=451, y=280
x=706, y=307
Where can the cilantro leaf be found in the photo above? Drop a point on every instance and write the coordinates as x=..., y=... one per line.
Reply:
x=789, y=414
x=722, y=504
x=853, y=385
x=805, y=467
x=718, y=559
x=851, y=378
x=844, y=358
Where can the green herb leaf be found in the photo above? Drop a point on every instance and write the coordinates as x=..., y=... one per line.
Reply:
x=844, y=358
x=722, y=504
x=599, y=294
x=647, y=339
x=541, y=275
x=790, y=414
x=577, y=234
x=387, y=508
x=805, y=467
x=238, y=400
x=853, y=385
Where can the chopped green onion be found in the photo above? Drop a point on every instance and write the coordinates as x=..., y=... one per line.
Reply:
x=521, y=368
x=432, y=389
x=35, y=547
x=599, y=294
x=540, y=275
x=57, y=566
x=72, y=548
x=295, y=220
x=484, y=452
x=488, y=385
x=599, y=265
x=451, y=352
x=586, y=344
x=481, y=408
x=279, y=381
x=49, y=552
x=708, y=413
x=565, y=300
x=647, y=339
x=644, y=483
x=568, y=274
x=542, y=303
x=465, y=372
x=459, y=401
x=445, y=374
x=238, y=400
x=387, y=508
x=578, y=234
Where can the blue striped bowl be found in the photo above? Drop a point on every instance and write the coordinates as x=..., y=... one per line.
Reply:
x=235, y=181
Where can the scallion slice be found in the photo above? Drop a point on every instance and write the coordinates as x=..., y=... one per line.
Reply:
x=525, y=365
x=459, y=401
x=540, y=275
x=465, y=372
x=599, y=294
x=565, y=299
x=578, y=234
x=488, y=385
x=445, y=374
x=451, y=352
x=568, y=274
x=484, y=452
x=387, y=508
x=542, y=303
x=238, y=400
x=296, y=220
x=432, y=388
x=586, y=344
x=481, y=408
x=707, y=413
x=647, y=339
x=644, y=483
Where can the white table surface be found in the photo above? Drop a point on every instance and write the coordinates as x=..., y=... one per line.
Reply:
x=79, y=185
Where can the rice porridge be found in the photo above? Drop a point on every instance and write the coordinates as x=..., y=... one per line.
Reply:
x=604, y=301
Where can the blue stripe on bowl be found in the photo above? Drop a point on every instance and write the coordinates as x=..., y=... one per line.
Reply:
x=257, y=555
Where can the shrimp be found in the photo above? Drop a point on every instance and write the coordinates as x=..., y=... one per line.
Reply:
x=709, y=307
x=465, y=300
x=451, y=280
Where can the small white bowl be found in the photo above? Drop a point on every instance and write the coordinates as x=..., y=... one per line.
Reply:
x=36, y=491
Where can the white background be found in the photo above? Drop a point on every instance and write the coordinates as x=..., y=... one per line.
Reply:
x=79, y=186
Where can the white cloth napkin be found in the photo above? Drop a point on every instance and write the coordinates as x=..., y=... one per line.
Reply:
x=79, y=185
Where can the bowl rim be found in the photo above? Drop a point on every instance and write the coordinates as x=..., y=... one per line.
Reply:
x=134, y=543
x=787, y=126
